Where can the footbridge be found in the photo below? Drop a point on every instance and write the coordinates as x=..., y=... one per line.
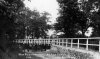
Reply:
x=84, y=45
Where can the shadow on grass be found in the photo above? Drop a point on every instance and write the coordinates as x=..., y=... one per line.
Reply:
x=14, y=54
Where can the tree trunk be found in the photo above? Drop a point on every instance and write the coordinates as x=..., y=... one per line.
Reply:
x=3, y=41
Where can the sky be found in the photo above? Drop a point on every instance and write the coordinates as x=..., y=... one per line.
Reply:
x=50, y=6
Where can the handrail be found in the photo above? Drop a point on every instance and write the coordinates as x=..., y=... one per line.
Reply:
x=64, y=41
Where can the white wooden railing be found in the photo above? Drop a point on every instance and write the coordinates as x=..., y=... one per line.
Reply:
x=66, y=42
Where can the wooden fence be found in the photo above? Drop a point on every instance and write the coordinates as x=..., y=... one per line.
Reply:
x=66, y=42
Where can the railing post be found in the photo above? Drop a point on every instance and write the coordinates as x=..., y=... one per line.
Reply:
x=45, y=41
x=87, y=44
x=63, y=42
x=59, y=41
x=66, y=42
x=53, y=42
x=71, y=43
x=78, y=44
x=38, y=41
x=48, y=41
x=34, y=41
x=99, y=45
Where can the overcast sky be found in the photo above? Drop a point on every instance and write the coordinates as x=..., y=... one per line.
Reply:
x=50, y=6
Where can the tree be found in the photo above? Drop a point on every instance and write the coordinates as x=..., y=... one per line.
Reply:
x=92, y=10
x=71, y=20
x=8, y=11
x=33, y=24
x=77, y=16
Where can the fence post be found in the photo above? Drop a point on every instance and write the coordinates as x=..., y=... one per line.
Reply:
x=87, y=44
x=99, y=45
x=62, y=42
x=71, y=43
x=59, y=41
x=34, y=41
x=39, y=41
x=53, y=41
x=78, y=43
x=44, y=41
x=66, y=42
x=47, y=41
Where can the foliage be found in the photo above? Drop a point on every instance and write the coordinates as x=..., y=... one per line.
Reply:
x=78, y=16
x=8, y=10
x=71, y=19
x=32, y=23
x=92, y=11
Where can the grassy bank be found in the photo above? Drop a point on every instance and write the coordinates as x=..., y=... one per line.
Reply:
x=68, y=53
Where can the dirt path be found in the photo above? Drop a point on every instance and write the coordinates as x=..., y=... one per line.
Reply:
x=44, y=55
